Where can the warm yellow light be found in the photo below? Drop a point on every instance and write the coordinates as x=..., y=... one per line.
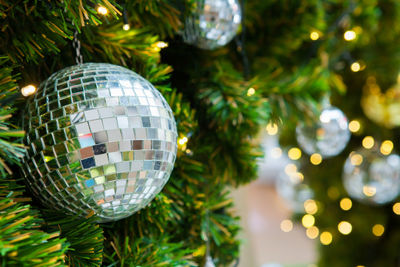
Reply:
x=378, y=229
x=126, y=27
x=28, y=90
x=286, y=226
x=325, y=238
x=345, y=203
x=161, y=44
x=310, y=206
x=182, y=140
x=368, y=142
x=345, y=227
x=102, y=10
x=350, y=35
x=312, y=232
x=354, y=126
x=386, y=147
x=276, y=152
x=396, y=208
x=296, y=177
x=356, y=159
x=272, y=128
x=355, y=67
x=308, y=220
x=314, y=35
x=369, y=191
x=300, y=176
x=315, y=159
x=290, y=169
x=48, y=158
x=294, y=153
x=251, y=91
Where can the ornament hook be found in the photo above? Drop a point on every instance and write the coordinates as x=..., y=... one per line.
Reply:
x=77, y=46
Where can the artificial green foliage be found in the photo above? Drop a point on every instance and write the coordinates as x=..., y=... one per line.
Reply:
x=22, y=243
x=377, y=26
x=214, y=109
x=84, y=236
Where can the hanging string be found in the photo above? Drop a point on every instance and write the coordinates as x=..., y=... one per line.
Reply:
x=77, y=46
x=240, y=43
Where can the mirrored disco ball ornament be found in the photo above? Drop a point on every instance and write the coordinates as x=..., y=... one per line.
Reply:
x=293, y=191
x=371, y=177
x=328, y=135
x=102, y=141
x=214, y=23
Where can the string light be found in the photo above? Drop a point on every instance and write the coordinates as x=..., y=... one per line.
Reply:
x=396, y=208
x=310, y=206
x=386, y=147
x=369, y=191
x=102, y=10
x=354, y=126
x=251, y=91
x=314, y=35
x=346, y=203
x=272, y=128
x=182, y=140
x=350, y=35
x=345, y=228
x=312, y=232
x=125, y=18
x=316, y=159
x=368, y=142
x=294, y=153
x=276, y=152
x=286, y=226
x=296, y=177
x=28, y=90
x=290, y=169
x=308, y=220
x=325, y=238
x=355, y=67
x=161, y=44
x=378, y=229
x=356, y=159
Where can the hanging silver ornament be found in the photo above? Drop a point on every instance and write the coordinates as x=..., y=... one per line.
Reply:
x=213, y=24
x=327, y=135
x=293, y=190
x=209, y=262
x=371, y=177
x=274, y=160
x=101, y=140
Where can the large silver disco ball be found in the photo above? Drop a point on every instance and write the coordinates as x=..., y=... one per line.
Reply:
x=213, y=24
x=102, y=141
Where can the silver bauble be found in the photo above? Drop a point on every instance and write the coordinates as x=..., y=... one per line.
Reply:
x=209, y=262
x=101, y=140
x=293, y=190
x=371, y=177
x=274, y=160
x=213, y=24
x=328, y=135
